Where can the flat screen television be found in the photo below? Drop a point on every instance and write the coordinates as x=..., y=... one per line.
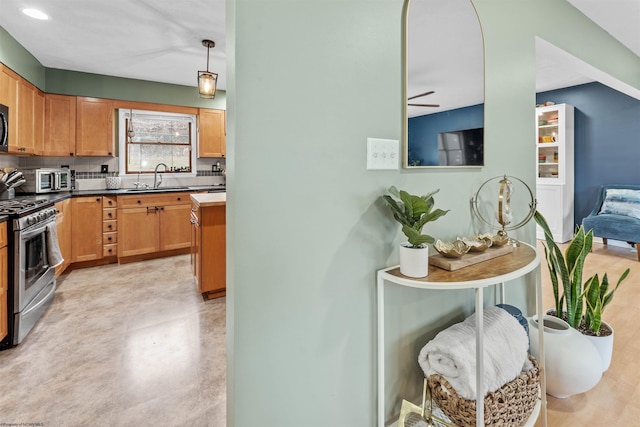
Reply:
x=461, y=147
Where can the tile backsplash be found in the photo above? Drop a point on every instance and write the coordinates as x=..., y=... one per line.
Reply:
x=89, y=176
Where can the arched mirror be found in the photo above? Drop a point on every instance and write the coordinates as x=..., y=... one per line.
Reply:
x=444, y=83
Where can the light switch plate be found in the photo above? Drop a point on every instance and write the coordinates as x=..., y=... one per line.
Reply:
x=383, y=154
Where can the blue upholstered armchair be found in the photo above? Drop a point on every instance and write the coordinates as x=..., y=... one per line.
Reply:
x=616, y=214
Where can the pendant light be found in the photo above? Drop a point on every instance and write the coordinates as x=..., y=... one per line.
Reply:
x=206, y=79
x=130, y=132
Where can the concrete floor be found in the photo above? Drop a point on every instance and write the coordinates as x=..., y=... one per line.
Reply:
x=121, y=345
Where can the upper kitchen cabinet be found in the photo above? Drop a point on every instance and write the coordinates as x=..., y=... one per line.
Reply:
x=25, y=119
x=95, y=127
x=26, y=112
x=60, y=125
x=9, y=82
x=38, y=122
x=212, y=139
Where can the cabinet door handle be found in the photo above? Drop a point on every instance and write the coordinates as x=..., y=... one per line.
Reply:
x=98, y=199
x=179, y=198
x=139, y=201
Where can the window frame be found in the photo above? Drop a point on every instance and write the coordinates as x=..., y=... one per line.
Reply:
x=123, y=116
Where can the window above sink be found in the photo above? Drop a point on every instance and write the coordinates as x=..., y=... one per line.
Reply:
x=147, y=138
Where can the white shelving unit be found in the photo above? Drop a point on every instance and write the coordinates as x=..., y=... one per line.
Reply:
x=554, y=167
x=496, y=271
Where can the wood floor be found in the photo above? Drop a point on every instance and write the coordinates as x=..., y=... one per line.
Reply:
x=615, y=401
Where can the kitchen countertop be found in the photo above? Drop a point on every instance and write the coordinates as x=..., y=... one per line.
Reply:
x=203, y=200
x=58, y=197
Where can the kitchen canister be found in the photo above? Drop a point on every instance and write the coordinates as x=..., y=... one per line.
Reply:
x=113, y=182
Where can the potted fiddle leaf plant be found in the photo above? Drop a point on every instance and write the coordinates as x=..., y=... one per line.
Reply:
x=413, y=213
x=579, y=303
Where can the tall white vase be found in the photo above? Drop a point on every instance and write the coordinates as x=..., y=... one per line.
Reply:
x=414, y=262
x=572, y=363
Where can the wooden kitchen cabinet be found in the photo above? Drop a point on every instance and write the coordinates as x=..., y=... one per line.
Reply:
x=26, y=94
x=95, y=134
x=9, y=82
x=60, y=125
x=63, y=228
x=86, y=235
x=109, y=226
x=149, y=224
x=4, y=282
x=212, y=138
x=208, y=243
x=38, y=122
x=175, y=227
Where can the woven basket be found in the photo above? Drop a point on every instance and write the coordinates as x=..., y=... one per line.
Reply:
x=511, y=405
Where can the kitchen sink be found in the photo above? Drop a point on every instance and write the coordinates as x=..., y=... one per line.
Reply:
x=177, y=188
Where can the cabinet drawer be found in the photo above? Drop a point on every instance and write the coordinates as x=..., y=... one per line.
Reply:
x=110, y=213
x=154, y=200
x=109, y=226
x=109, y=201
x=109, y=238
x=110, y=250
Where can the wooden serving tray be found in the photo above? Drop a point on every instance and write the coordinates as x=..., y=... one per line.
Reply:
x=470, y=258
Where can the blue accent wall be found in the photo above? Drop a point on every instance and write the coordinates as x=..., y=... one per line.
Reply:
x=607, y=139
x=422, y=131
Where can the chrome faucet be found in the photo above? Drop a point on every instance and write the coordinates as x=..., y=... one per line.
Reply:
x=139, y=184
x=157, y=183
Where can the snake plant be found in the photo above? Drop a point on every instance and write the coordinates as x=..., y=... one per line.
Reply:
x=577, y=300
x=413, y=212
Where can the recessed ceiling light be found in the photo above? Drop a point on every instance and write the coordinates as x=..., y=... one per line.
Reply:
x=35, y=13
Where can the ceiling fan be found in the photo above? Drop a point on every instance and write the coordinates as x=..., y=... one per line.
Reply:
x=423, y=105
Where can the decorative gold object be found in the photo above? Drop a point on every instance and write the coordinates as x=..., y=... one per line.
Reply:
x=478, y=243
x=488, y=208
x=451, y=249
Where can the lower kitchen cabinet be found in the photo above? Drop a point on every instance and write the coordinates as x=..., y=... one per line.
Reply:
x=4, y=282
x=153, y=223
x=63, y=228
x=86, y=235
x=208, y=243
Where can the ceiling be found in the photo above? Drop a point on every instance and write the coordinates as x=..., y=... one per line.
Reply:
x=156, y=40
x=161, y=40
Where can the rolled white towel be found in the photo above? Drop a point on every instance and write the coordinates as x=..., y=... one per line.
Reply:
x=452, y=353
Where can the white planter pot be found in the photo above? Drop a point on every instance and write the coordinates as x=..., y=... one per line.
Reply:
x=572, y=363
x=414, y=262
x=604, y=346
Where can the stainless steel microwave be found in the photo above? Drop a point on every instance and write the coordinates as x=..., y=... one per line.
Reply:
x=47, y=180
x=4, y=128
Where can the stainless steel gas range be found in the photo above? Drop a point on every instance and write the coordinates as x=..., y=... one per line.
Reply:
x=32, y=280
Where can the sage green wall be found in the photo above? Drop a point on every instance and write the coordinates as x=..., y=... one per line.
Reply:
x=306, y=229
x=16, y=57
x=100, y=86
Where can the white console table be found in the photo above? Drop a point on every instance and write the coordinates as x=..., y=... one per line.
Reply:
x=524, y=259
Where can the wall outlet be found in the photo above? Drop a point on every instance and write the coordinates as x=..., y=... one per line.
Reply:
x=104, y=168
x=383, y=154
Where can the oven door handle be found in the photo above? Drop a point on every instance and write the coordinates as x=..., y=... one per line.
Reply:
x=28, y=233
